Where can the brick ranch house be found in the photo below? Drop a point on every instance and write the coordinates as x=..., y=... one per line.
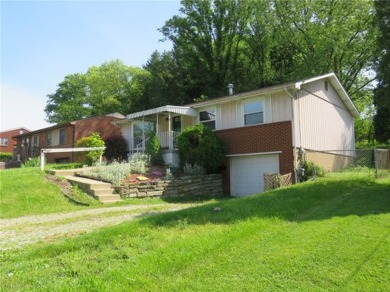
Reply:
x=268, y=130
x=64, y=136
x=6, y=142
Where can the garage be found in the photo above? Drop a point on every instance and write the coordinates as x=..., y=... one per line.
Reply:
x=246, y=173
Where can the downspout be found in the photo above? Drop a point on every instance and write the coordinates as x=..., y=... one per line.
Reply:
x=293, y=134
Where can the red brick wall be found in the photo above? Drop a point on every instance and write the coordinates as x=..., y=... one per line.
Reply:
x=69, y=143
x=260, y=138
x=11, y=143
x=103, y=125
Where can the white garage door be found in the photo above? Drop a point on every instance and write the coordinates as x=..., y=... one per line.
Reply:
x=246, y=173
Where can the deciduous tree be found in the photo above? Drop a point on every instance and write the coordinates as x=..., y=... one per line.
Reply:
x=382, y=92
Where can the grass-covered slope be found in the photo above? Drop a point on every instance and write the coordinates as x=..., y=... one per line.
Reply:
x=331, y=234
x=25, y=191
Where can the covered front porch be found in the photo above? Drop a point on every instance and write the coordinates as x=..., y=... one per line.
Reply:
x=166, y=122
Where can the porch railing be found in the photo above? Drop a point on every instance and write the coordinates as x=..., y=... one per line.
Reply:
x=168, y=140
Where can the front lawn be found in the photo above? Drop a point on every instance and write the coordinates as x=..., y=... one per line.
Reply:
x=26, y=191
x=329, y=234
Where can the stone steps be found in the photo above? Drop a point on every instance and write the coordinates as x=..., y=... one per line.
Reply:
x=101, y=191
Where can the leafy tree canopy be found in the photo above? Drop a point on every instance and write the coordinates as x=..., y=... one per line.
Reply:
x=382, y=92
x=110, y=87
x=257, y=43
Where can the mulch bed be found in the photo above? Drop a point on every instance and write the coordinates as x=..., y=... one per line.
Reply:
x=154, y=173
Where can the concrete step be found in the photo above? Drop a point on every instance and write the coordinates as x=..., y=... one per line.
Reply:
x=108, y=198
x=97, y=192
x=101, y=191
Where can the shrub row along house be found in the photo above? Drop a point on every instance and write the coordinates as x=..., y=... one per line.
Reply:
x=64, y=136
x=269, y=130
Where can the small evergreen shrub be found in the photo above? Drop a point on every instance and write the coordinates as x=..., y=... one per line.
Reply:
x=200, y=145
x=153, y=148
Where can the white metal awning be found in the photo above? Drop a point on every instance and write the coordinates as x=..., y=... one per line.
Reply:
x=181, y=110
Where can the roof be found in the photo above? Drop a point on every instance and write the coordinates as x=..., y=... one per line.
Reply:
x=14, y=129
x=182, y=110
x=57, y=126
x=331, y=77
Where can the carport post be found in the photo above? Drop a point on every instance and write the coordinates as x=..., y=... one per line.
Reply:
x=42, y=159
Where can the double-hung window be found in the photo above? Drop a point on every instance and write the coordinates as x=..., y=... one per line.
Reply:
x=48, y=138
x=207, y=118
x=253, y=112
x=62, y=136
x=4, y=141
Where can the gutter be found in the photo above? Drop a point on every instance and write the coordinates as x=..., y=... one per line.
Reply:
x=293, y=133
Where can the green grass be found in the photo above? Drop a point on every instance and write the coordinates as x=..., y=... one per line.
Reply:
x=331, y=234
x=24, y=191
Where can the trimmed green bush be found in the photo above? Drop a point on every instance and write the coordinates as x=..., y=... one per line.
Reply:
x=4, y=156
x=200, y=145
x=94, y=140
x=153, y=148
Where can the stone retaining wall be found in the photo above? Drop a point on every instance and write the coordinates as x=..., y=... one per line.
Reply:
x=204, y=185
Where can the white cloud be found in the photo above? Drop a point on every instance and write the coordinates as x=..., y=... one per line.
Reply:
x=21, y=108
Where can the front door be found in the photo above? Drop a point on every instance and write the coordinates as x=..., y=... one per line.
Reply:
x=176, y=124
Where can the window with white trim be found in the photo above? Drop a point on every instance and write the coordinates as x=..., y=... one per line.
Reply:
x=207, y=118
x=35, y=140
x=62, y=136
x=254, y=112
x=4, y=141
x=48, y=138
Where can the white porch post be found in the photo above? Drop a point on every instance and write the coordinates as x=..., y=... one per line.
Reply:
x=42, y=160
x=157, y=125
x=169, y=131
x=143, y=132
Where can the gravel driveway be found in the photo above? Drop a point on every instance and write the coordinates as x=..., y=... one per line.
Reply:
x=17, y=232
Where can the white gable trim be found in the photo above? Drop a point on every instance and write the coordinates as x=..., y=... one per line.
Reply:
x=181, y=110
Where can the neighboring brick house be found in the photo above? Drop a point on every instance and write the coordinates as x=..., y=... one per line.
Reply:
x=268, y=130
x=64, y=136
x=6, y=142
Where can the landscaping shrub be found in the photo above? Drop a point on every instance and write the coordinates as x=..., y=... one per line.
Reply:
x=116, y=148
x=4, y=156
x=153, y=148
x=94, y=140
x=116, y=172
x=195, y=169
x=200, y=145
x=311, y=170
x=32, y=162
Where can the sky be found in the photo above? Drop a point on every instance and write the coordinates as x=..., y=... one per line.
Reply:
x=43, y=41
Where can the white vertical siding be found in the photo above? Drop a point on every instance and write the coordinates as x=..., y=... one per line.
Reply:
x=277, y=108
x=322, y=120
x=281, y=107
x=228, y=115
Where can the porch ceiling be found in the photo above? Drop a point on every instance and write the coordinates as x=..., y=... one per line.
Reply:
x=182, y=110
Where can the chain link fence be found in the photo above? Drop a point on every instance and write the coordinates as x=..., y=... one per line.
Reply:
x=375, y=161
